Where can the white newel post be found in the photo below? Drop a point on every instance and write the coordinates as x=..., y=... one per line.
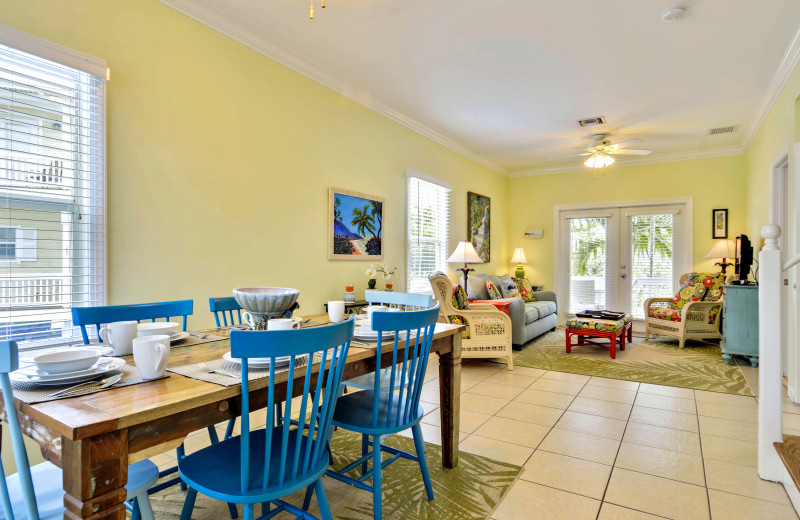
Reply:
x=770, y=385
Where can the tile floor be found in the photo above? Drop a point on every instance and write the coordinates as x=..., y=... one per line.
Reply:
x=603, y=449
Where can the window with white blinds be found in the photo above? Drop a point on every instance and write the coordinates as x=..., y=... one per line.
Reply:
x=52, y=190
x=428, y=231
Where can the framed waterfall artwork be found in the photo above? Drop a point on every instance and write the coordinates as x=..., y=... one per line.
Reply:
x=720, y=222
x=478, y=224
x=355, y=226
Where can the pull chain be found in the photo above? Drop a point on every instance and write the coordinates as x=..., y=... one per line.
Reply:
x=311, y=8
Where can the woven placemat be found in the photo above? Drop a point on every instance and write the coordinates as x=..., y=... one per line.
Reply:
x=197, y=339
x=33, y=393
x=201, y=371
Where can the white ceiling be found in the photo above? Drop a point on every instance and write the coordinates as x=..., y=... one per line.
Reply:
x=503, y=81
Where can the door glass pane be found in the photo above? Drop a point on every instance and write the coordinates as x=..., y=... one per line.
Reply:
x=652, y=271
x=587, y=263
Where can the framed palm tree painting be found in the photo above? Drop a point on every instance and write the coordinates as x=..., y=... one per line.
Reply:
x=355, y=226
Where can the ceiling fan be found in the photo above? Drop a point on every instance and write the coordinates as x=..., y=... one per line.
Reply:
x=600, y=151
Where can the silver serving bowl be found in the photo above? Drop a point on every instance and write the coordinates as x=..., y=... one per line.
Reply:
x=269, y=301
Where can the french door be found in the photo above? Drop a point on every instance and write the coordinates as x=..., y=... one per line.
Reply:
x=615, y=258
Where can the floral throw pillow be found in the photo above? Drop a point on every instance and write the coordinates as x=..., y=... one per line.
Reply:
x=525, y=289
x=460, y=300
x=494, y=292
x=690, y=291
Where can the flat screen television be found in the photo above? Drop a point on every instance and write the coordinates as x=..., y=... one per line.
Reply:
x=744, y=259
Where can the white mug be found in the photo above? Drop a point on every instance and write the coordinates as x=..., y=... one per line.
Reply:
x=335, y=311
x=150, y=354
x=282, y=324
x=119, y=335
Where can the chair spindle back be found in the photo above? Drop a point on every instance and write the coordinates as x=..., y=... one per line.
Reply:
x=225, y=307
x=320, y=379
x=97, y=316
x=415, y=329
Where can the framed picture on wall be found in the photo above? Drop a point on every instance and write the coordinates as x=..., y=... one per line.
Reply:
x=355, y=226
x=478, y=224
x=720, y=223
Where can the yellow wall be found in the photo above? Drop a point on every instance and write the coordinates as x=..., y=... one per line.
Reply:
x=712, y=183
x=219, y=160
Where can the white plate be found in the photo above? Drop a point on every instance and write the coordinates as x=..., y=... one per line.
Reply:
x=25, y=376
x=180, y=337
x=258, y=362
x=32, y=371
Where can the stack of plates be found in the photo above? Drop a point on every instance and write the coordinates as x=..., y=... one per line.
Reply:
x=365, y=332
x=177, y=338
x=262, y=362
x=31, y=374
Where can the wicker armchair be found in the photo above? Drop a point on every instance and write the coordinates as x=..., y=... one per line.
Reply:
x=696, y=320
x=489, y=334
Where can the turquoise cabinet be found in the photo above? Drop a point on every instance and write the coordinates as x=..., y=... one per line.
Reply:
x=740, y=323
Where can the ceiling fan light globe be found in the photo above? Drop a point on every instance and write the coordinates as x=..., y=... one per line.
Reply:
x=608, y=160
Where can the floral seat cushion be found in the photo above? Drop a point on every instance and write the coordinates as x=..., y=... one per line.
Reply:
x=460, y=302
x=664, y=313
x=596, y=324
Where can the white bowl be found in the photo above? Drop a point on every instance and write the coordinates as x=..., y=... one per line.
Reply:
x=272, y=301
x=155, y=328
x=66, y=360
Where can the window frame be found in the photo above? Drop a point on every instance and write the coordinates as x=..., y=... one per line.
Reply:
x=412, y=174
x=88, y=64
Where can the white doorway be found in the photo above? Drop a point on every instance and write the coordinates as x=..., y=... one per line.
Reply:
x=615, y=256
x=779, y=214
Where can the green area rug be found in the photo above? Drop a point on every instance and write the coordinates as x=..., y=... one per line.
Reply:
x=470, y=491
x=658, y=361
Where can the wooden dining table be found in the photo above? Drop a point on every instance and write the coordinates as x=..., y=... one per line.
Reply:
x=94, y=437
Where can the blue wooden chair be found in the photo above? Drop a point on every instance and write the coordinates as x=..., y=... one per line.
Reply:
x=36, y=492
x=265, y=465
x=404, y=301
x=225, y=307
x=97, y=316
x=380, y=412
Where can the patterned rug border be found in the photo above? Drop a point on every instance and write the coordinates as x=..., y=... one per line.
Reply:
x=699, y=366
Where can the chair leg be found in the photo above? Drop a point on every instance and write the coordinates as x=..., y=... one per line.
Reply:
x=377, y=495
x=232, y=511
x=212, y=435
x=322, y=501
x=145, y=508
x=510, y=362
x=364, y=448
x=229, y=429
x=188, y=504
x=249, y=512
x=181, y=453
x=136, y=513
x=681, y=342
x=419, y=444
x=307, y=499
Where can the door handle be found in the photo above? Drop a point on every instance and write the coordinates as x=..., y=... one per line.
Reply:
x=623, y=275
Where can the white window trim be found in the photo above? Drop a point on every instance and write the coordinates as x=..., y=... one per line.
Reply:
x=589, y=209
x=52, y=51
x=410, y=173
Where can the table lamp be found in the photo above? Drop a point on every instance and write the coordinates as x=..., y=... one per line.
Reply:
x=465, y=253
x=723, y=249
x=519, y=259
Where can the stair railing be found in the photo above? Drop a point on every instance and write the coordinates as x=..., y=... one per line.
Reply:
x=770, y=340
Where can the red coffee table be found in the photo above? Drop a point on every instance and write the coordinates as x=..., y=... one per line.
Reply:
x=612, y=330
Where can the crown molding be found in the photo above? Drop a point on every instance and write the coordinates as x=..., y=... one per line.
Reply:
x=650, y=159
x=294, y=62
x=788, y=63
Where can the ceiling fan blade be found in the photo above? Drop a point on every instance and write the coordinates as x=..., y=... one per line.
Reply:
x=569, y=156
x=625, y=144
x=612, y=151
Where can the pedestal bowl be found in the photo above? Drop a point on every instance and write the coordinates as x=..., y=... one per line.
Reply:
x=264, y=303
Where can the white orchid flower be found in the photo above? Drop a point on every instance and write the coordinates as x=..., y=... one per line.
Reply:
x=371, y=272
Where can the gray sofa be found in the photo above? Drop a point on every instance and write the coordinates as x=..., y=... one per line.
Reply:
x=528, y=319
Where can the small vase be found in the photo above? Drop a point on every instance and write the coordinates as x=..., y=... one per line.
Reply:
x=371, y=283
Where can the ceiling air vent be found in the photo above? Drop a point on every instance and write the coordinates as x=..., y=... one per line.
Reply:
x=592, y=121
x=723, y=130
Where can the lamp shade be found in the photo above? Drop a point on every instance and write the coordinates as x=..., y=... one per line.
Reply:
x=465, y=254
x=519, y=256
x=723, y=249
